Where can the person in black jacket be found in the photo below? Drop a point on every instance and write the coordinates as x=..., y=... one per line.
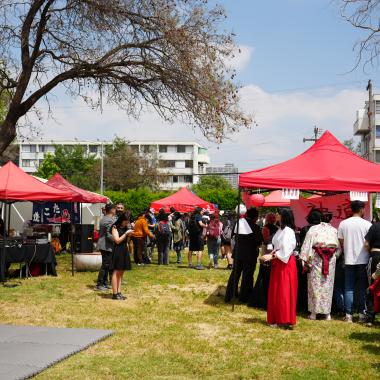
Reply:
x=245, y=253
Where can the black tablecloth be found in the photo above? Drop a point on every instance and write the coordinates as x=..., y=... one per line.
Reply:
x=27, y=253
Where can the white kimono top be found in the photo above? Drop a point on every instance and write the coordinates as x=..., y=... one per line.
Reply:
x=284, y=243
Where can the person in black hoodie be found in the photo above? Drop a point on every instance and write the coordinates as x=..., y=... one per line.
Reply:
x=245, y=254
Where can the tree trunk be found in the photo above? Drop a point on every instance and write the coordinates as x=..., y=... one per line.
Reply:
x=7, y=134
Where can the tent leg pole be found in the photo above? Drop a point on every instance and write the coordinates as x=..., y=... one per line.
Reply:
x=72, y=248
x=236, y=249
x=2, y=258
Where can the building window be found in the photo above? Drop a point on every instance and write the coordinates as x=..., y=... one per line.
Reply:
x=202, y=151
x=377, y=156
x=134, y=148
x=181, y=148
x=188, y=179
x=28, y=149
x=377, y=106
x=188, y=164
x=378, y=131
x=147, y=148
x=163, y=149
x=175, y=179
x=93, y=149
x=168, y=163
x=29, y=163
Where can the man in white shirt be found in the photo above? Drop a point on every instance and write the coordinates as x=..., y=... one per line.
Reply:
x=351, y=235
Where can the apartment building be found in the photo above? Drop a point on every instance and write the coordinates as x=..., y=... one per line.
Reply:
x=181, y=160
x=227, y=171
x=367, y=126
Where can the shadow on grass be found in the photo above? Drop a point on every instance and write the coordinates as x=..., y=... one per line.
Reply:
x=216, y=297
x=369, y=337
x=255, y=320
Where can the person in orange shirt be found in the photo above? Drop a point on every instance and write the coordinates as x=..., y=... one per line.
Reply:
x=141, y=231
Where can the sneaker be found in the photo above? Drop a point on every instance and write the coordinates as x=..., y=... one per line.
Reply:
x=115, y=297
x=199, y=267
x=273, y=325
x=229, y=266
x=312, y=316
x=362, y=318
x=121, y=296
x=216, y=266
x=328, y=317
x=100, y=288
x=190, y=265
x=108, y=286
x=348, y=318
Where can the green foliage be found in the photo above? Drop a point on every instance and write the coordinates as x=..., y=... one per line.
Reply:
x=216, y=182
x=137, y=170
x=48, y=167
x=350, y=144
x=136, y=200
x=216, y=189
x=73, y=163
x=226, y=199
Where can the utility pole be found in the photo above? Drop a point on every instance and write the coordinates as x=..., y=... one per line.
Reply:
x=371, y=140
x=317, y=132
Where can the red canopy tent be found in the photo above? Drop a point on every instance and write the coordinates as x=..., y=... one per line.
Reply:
x=275, y=199
x=183, y=201
x=326, y=166
x=77, y=194
x=16, y=185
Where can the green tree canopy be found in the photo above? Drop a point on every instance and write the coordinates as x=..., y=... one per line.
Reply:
x=125, y=168
x=73, y=163
x=212, y=182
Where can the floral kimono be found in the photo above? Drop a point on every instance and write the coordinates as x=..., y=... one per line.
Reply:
x=322, y=272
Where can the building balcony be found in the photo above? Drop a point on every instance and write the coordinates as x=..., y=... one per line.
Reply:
x=177, y=171
x=361, y=125
x=203, y=158
x=172, y=156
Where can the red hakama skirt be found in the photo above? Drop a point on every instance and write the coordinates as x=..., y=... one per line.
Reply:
x=282, y=295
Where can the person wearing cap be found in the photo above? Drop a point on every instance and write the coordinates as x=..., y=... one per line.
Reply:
x=105, y=246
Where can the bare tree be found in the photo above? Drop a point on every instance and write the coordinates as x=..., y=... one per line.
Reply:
x=365, y=15
x=168, y=54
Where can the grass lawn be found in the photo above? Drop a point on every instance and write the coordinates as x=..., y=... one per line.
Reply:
x=174, y=325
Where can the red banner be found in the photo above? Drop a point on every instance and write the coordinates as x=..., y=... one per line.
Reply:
x=338, y=205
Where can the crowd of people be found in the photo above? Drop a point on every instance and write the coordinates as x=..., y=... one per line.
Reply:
x=315, y=269
x=121, y=235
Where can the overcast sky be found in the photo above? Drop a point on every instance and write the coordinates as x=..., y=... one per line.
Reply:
x=295, y=72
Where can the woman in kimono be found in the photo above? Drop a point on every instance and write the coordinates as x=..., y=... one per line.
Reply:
x=282, y=295
x=319, y=253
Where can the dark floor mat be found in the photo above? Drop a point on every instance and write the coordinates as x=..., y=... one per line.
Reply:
x=26, y=350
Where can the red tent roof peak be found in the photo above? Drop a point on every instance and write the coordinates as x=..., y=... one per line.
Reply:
x=326, y=166
x=183, y=201
x=78, y=194
x=16, y=185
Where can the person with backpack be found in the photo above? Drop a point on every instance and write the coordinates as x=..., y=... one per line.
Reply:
x=163, y=234
x=214, y=231
x=226, y=239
